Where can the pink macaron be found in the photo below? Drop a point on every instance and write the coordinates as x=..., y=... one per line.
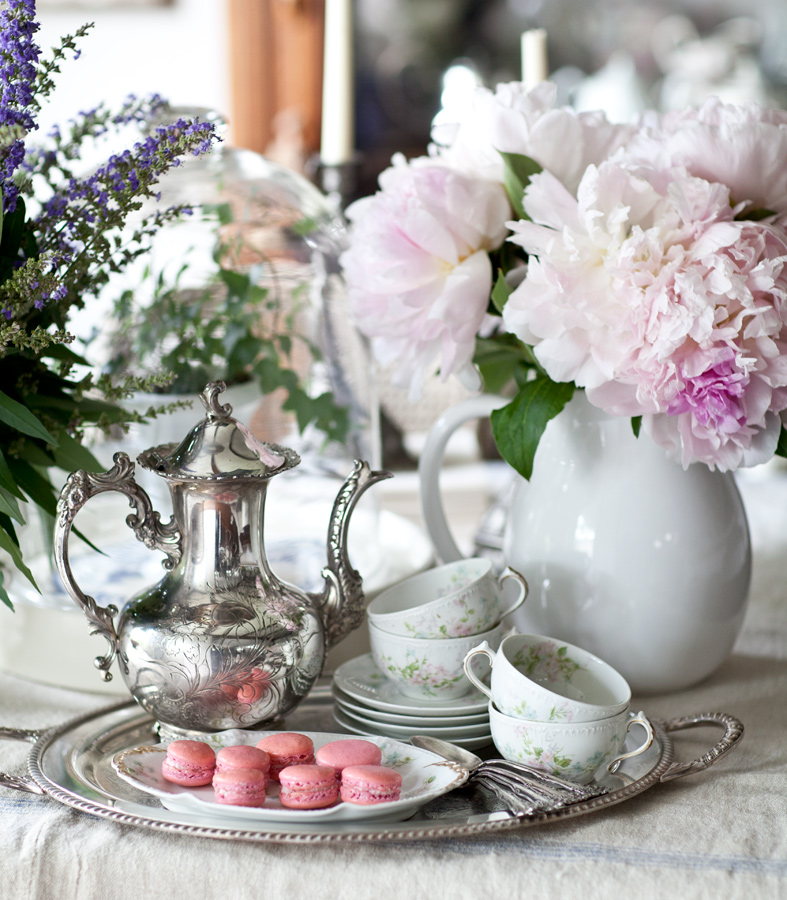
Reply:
x=308, y=787
x=287, y=748
x=341, y=754
x=189, y=763
x=240, y=787
x=370, y=784
x=242, y=756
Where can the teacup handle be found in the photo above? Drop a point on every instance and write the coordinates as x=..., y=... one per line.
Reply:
x=490, y=654
x=523, y=589
x=639, y=719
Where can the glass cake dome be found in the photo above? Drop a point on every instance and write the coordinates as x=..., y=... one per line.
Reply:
x=257, y=262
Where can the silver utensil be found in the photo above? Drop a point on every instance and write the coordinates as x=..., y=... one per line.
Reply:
x=520, y=787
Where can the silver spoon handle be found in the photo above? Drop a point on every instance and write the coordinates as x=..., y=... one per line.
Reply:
x=539, y=777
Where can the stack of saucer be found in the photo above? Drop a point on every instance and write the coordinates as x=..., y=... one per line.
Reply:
x=420, y=631
x=367, y=703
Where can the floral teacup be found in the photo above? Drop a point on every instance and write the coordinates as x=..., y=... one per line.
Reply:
x=426, y=669
x=546, y=680
x=575, y=751
x=454, y=600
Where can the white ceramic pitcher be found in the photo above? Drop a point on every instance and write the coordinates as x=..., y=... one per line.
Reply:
x=627, y=554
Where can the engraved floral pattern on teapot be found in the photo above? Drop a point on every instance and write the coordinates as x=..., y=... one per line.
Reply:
x=220, y=642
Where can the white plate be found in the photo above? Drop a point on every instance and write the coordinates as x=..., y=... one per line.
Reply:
x=355, y=728
x=448, y=733
x=351, y=705
x=360, y=679
x=425, y=776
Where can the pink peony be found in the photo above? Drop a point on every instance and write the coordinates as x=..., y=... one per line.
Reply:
x=650, y=294
x=743, y=147
x=513, y=121
x=417, y=269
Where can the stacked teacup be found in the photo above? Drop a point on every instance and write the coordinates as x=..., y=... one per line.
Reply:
x=422, y=629
x=556, y=707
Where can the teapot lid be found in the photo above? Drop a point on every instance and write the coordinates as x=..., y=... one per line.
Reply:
x=218, y=447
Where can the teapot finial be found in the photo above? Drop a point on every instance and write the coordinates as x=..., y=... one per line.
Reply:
x=210, y=400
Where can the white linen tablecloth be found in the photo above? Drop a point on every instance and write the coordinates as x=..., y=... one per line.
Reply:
x=721, y=833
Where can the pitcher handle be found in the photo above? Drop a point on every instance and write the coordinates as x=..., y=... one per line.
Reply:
x=431, y=462
x=146, y=524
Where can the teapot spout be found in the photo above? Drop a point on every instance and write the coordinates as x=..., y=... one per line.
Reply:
x=342, y=601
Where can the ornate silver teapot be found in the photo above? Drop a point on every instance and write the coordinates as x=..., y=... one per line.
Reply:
x=220, y=642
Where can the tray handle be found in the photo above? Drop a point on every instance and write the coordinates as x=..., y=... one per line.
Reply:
x=19, y=782
x=733, y=732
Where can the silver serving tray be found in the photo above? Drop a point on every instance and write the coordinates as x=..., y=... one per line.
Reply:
x=71, y=763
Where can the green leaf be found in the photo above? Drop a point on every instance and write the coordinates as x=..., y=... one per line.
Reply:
x=503, y=359
x=86, y=407
x=36, y=455
x=9, y=544
x=331, y=419
x=9, y=506
x=500, y=292
x=35, y=485
x=19, y=417
x=497, y=360
x=636, y=424
x=4, y=594
x=271, y=376
x=517, y=427
x=13, y=228
x=754, y=215
x=7, y=479
x=304, y=226
x=223, y=211
x=65, y=353
x=71, y=455
x=781, y=446
x=237, y=283
x=517, y=172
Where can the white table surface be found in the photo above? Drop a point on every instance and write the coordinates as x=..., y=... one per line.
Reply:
x=718, y=834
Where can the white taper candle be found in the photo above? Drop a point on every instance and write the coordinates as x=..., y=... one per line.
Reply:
x=534, y=57
x=337, y=139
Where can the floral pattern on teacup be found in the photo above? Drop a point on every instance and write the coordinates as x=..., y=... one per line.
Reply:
x=418, y=672
x=468, y=614
x=547, y=662
x=460, y=578
x=552, y=758
x=559, y=712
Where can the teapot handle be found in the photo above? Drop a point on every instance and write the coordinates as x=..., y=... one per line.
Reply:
x=431, y=461
x=146, y=524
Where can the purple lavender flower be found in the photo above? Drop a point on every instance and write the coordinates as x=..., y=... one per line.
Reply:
x=18, y=68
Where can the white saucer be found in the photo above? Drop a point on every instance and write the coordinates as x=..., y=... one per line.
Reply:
x=360, y=679
x=354, y=706
x=473, y=743
x=404, y=732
